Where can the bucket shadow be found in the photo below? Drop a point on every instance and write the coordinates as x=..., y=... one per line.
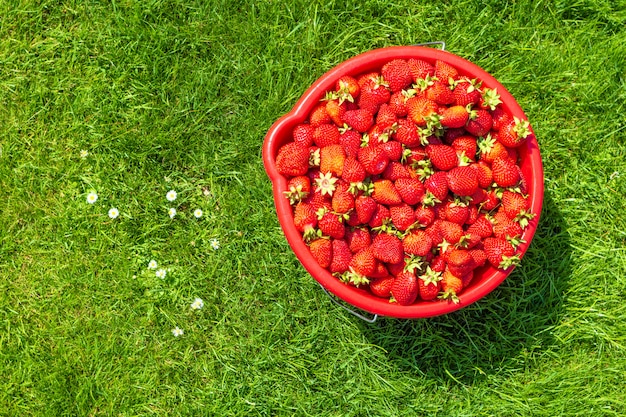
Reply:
x=497, y=332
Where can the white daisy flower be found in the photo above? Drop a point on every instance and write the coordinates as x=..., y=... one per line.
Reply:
x=152, y=264
x=92, y=198
x=171, y=195
x=172, y=212
x=161, y=273
x=215, y=244
x=113, y=213
x=197, y=304
x=84, y=154
x=197, y=213
x=177, y=331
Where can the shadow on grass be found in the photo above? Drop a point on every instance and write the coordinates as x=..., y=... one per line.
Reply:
x=499, y=332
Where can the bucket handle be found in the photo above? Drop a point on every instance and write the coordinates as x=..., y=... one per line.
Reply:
x=354, y=313
x=441, y=43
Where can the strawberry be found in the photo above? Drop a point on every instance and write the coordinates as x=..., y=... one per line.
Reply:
x=330, y=224
x=332, y=159
x=500, y=118
x=393, y=149
x=424, y=215
x=505, y=172
x=456, y=212
x=387, y=248
x=358, y=239
x=405, y=288
x=326, y=134
x=411, y=190
x=429, y=284
x=462, y=180
x=484, y=174
x=479, y=123
x=437, y=186
x=402, y=216
x=454, y=116
x=350, y=140
x=443, y=157
x=397, y=74
x=451, y=286
x=322, y=251
x=335, y=110
x=381, y=287
x=360, y=119
x=303, y=134
x=515, y=133
x=385, y=193
x=385, y=117
x=363, y=262
x=465, y=146
x=490, y=99
x=298, y=188
x=305, y=219
x=381, y=216
x=292, y=159
x=489, y=148
x=466, y=93
x=481, y=227
x=479, y=257
x=514, y=203
x=451, y=232
x=420, y=110
x=341, y=256
x=395, y=170
x=365, y=207
x=374, y=159
x=406, y=133
x=460, y=262
x=445, y=72
x=342, y=202
x=353, y=171
x=347, y=88
x=397, y=103
x=440, y=93
x=420, y=69
x=319, y=115
x=500, y=253
x=417, y=242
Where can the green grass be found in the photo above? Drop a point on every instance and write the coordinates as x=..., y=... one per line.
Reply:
x=178, y=95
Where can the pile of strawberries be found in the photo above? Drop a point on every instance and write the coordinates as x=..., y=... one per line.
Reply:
x=407, y=179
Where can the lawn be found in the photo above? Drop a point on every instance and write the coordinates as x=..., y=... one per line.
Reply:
x=129, y=100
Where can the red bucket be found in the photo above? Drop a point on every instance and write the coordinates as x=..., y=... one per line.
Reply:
x=487, y=278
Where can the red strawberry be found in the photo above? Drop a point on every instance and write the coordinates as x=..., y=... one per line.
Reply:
x=460, y=262
x=393, y=149
x=490, y=99
x=500, y=118
x=385, y=193
x=418, y=242
x=443, y=157
x=293, y=159
x=363, y=262
x=500, y=253
x=483, y=174
x=358, y=239
x=451, y=286
x=437, y=186
x=336, y=110
x=445, y=72
x=319, y=115
x=407, y=133
x=374, y=159
x=350, y=140
x=515, y=133
x=341, y=256
x=465, y=146
x=342, y=202
x=420, y=110
x=440, y=93
x=490, y=148
x=385, y=117
x=326, y=134
x=479, y=123
x=514, y=203
x=353, y=171
x=303, y=134
x=381, y=216
x=397, y=103
x=330, y=224
x=322, y=251
x=420, y=69
x=395, y=170
x=466, y=93
x=429, y=284
x=381, y=287
x=305, y=219
x=405, y=288
x=402, y=216
x=451, y=232
x=411, y=190
x=397, y=74
x=332, y=159
x=424, y=215
x=479, y=257
x=481, y=227
x=347, y=88
x=463, y=180
x=454, y=116
x=456, y=212
x=505, y=172
x=298, y=188
x=360, y=119
x=387, y=248
x=365, y=207
x=506, y=228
